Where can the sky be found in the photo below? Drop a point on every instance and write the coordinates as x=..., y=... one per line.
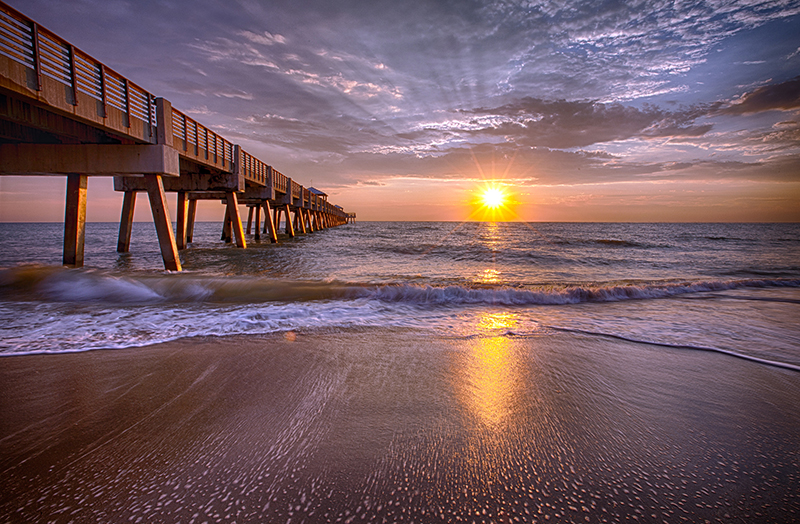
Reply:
x=406, y=109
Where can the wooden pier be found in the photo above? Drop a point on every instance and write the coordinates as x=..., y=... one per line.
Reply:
x=64, y=113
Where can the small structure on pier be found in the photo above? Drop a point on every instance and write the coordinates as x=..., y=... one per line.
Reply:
x=64, y=113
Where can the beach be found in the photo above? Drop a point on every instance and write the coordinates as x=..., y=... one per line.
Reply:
x=394, y=425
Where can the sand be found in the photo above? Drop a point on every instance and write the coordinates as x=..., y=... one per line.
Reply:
x=397, y=426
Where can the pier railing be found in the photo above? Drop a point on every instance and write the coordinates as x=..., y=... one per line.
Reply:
x=196, y=142
x=38, y=64
x=64, y=77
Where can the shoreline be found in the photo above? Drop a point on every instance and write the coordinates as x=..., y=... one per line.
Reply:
x=396, y=426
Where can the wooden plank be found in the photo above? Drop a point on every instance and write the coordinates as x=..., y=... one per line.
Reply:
x=166, y=237
x=75, y=220
x=126, y=222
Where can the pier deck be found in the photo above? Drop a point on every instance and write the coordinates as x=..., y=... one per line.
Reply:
x=64, y=113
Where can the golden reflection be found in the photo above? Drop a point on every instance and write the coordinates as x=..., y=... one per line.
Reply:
x=490, y=387
x=490, y=378
x=490, y=322
x=489, y=276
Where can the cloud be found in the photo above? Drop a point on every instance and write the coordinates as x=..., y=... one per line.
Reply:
x=264, y=38
x=784, y=96
x=566, y=124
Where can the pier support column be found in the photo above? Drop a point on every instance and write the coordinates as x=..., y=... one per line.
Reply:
x=310, y=221
x=289, y=228
x=250, y=220
x=166, y=237
x=236, y=220
x=126, y=222
x=299, y=218
x=226, y=226
x=257, y=210
x=269, y=224
x=183, y=212
x=190, y=221
x=75, y=220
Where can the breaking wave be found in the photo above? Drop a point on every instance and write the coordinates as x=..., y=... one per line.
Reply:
x=87, y=286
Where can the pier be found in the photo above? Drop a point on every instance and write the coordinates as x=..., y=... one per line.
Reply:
x=64, y=113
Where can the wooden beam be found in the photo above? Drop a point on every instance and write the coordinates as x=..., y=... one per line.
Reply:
x=269, y=224
x=257, y=210
x=310, y=221
x=190, y=221
x=183, y=212
x=166, y=237
x=88, y=159
x=75, y=220
x=250, y=220
x=226, y=225
x=298, y=215
x=126, y=222
x=164, y=122
x=289, y=228
x=233, y=213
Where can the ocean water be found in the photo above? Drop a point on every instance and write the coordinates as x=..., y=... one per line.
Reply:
x=405, y=372
x=727, y=287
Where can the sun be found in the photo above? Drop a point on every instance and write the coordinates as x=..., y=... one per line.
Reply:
x=493, y=198
x=492, y=202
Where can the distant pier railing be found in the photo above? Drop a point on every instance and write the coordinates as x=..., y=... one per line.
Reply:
x=66, y=113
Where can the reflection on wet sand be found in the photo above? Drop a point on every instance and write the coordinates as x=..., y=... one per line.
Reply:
x=490, y=378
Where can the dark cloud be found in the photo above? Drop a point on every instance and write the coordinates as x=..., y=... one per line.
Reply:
x=783, y=96
x=564, y=124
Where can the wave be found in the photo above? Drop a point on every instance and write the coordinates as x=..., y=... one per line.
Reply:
x=454, y=295
x=609, y=242
x=50, y=284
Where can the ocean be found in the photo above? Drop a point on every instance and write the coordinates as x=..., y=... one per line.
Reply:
x=730, y=287
x=405, y=372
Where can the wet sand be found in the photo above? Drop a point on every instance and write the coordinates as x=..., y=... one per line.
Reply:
x=397, y=426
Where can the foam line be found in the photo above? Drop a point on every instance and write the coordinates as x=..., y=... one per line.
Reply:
x=758, y=360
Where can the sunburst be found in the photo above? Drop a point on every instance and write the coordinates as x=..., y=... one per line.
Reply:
x=493, y=202
x=493, y=197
